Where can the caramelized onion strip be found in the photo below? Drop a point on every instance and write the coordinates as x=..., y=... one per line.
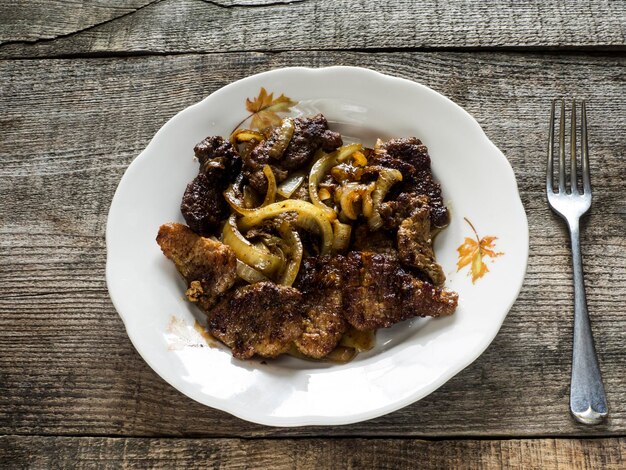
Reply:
x=346, y=152
x=341, y=354
x=292, y=239
x=307, y=214
x=234, y=196
x=387, y=177
x=246, y=252
x=367, y=200
x=285, y=133
x=290, y=185
x=270, y=195
x=245, y=135
x=341, y=235
x=237, y=203
x=249, y=274
x=323, y=164
x=350, y=195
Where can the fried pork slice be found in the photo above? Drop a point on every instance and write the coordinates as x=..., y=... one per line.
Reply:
x=378, y=292
x=415, y=246
x=395, y=211
x=259, y=319
x=322, y=303
x=406, y=234
x=322, y=322
x=379, y=241
x=409, y=214
x=208, y=266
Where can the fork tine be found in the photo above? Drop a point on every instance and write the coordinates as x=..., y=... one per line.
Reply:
x=585, y=150
x=573, y=176
x=562, y=149
x=550, y=150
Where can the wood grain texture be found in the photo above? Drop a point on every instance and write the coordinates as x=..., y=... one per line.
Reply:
x=396, y=454
x=34, y=20
x=181, y=26
x=69, y=129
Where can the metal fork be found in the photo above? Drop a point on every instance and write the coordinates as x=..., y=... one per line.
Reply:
x=587, y=398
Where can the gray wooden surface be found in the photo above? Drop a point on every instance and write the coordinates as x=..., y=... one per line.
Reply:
x=183, y=26
x=77, y=109
x=392, y=454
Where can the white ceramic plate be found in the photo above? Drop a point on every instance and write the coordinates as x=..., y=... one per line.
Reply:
x=411, y=359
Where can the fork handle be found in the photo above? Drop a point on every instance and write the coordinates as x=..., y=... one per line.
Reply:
x=587, y=398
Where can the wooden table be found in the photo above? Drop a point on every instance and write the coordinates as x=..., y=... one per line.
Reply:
x=85, y=85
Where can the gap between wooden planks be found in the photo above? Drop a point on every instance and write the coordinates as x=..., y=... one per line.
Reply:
x=48, y=29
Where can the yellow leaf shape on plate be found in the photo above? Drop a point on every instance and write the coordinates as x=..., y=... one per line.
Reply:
x=474, y=251
x=264, y=109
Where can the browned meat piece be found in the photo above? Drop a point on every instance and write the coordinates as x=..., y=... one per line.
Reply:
x=379, y=241
x=323, y=323
x=310, y=134
x=209, y=267
x=378, y=293
x=395, y=211
x=410, y=157
x=320, y=282
x=258, y=181
x=216, y=152
x=415, y=245
x=260, y=319
x=319, y=273
x=203, y=205
x=409, y=216
x=409, y=150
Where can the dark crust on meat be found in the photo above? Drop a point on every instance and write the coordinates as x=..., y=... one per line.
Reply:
x=310, y=134
x=323, y=323
x=376, y=290
x=378, y=241
x=320, y=272
x=396, y=211
x=208, y=266
x=378, y=293
x=410, y=157
x=217, y=152
x=409, y=217
x=320, y=281
x=410, y=150
x=203, y=205
x=261, y=319
x=415, y=245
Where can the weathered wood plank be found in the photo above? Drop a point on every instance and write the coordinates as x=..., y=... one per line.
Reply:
x=174, y=26
x=87, y=452
x=44, y=19
x=70, y=127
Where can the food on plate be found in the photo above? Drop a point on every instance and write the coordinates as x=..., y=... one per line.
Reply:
x=209, y=267
x=296, y=243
